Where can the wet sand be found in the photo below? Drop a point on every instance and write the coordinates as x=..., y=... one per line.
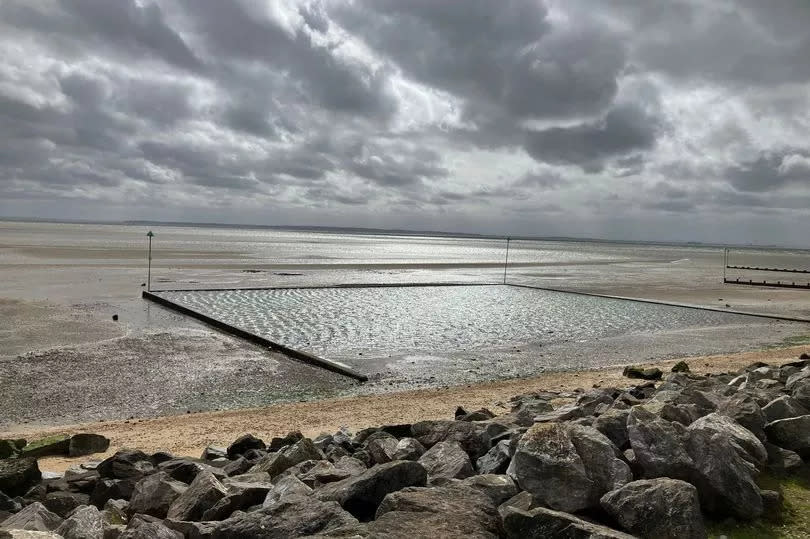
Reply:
x=189, y=434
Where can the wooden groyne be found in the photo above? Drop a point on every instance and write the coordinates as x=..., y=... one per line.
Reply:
x=777, y=284
x=755, y=268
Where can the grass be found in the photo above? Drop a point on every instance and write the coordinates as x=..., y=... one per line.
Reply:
x=794, y=340
x=794, y=522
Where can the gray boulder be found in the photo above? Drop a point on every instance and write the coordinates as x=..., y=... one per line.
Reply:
x=302, y=450
x=613, y=424
x=408, y=449
x=202, y=494
x=126, y=464
x=750, y=447
x=18, y=475
x=744, y=410
x=33, y=517
x=382, y=448
x=795, y=379
x=112, y=489
x=51, y=446
x=361, y=494
x=186, y=469
x=801, y=392
x=782, y=461
x=63, y=502
x=783, y=407
x=659, y=446
x=286, y=486
x=273, y=464
x=292, y=516
x=140, y=528
x=792, y=433
x=496, y=461
x=450, y=511
x=87, y=444
x=154, y=494
x=660, y=508
x=84, y=523
x=542, y=523
x=567, y=467
x=240, y=496
x=474, y=437
x=446, y=460
x=497, y=487
x=352, y=465
x=650, y=373
x=243, y=444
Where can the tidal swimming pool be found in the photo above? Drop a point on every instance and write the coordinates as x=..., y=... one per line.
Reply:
x=357, y=325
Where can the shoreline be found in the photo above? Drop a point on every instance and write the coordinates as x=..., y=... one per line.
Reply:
x=189, y=434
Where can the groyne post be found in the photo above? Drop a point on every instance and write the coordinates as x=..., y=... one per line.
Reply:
x=149, y=235
x=506, y=261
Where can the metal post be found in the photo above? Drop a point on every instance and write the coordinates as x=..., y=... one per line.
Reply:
x=506, y=262
x=725, y=263
x=149, y=235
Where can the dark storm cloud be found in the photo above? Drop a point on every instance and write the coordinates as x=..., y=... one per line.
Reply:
x=623, y=130
x=771, y=171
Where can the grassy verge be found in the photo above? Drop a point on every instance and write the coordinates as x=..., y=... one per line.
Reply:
x=794, y=521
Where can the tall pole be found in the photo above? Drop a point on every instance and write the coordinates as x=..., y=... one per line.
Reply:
x=149, y=235
x=506, y=262
x=725, y=263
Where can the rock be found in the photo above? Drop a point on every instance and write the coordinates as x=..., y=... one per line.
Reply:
x=126, y=464
x=542, y=523
x=783, y=407
x=772, y=504
x=796, y=379
x=302, y=450
x=567, y=467
x=382, y=449
x=87, y=444
x=782, y=461
x=496, y=461
x=659, y=446
x=142, y=529
x=792, y=433
x=286, y=486
x=497, y=487
x=45, y=447
x=474, y=438
x=361, y=494
x=243, y=444
x=642, y=373
x=186, y=469
x=323, y=472
x=154, y=494
x=751, y=448
x=478, y=415
x=744, y=410
x=681, y=366
x=115, y=512
x=450, y=511
x=399, y=430
x=522, y=500
x=276, y=444
x=351, y=465
x=34, y=517
x=660, y=508
x=12, y=505
x=446, y=460
x=84, y=523
x=18, y=475
x=202, y=494
x=63, y=503
x=214, y=452
x=723, y=477
x=112, y=489
x=801, y=392
x=9, y=448
x=292, y=516
x=613, y=424
x=273, y=464
x=408, y=449
x=237, y=467
x=241, y=496
x=24, y=534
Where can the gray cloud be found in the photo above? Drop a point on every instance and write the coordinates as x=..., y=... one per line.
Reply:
x=407, y=113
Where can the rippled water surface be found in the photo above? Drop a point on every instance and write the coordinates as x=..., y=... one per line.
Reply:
x=344, y=323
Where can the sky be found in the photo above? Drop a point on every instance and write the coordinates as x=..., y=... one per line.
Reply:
x=676, y=120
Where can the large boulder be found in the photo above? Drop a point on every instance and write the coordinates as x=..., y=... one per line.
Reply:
x=408, y=449
x=659, y=446
x=497, y=460
x=382, y=448
x=47, y=447
x=154, y=494
x=243, y=444
x=286, y=486
x=497, y=487
x=186, y=469
x=783, y=407
x=801, y=392
x=302, y=450
x=202, y=494
x=240, y=496
x=111, y=489
x=744, y=410
x=446, y=460
x=126, y=464
x=291, y=516
x=613, y=424
x=84, y=523
x=750, y=446
x=542, y=523
x=792, y=433
x=18, y=475
x=139, y=528
x=451, y=511
x=660, y=508
x=87, y=444
x=361, y=494
x=567, y=467
x=64, y=502
x=34, y=517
